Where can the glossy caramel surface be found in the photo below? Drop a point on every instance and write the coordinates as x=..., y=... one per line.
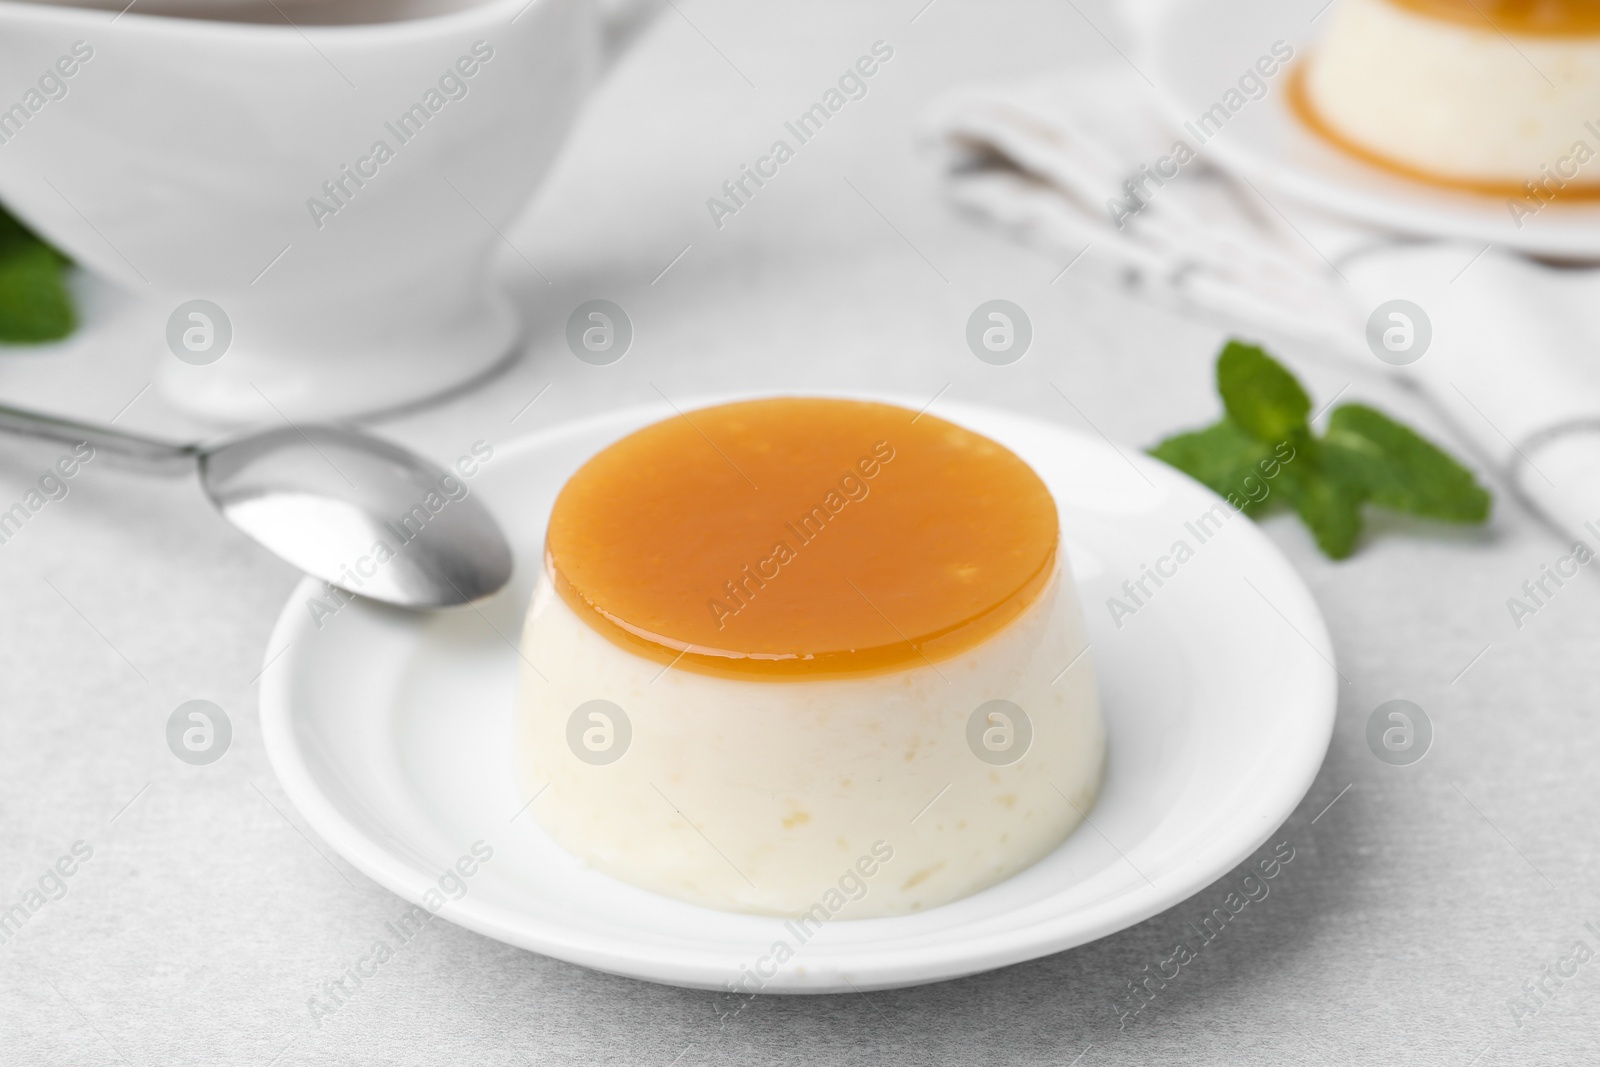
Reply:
x=1534, y=18
x=801, y=537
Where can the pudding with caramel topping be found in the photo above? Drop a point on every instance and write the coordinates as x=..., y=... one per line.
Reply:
x=800, y=653
x=1493, y=96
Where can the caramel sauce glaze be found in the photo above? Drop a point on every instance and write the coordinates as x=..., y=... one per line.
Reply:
x=799, y=537
x=1531, y=18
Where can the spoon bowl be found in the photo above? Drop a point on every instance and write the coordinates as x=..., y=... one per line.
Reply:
x=362, y=514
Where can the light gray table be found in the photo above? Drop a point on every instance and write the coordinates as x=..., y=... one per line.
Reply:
x=1417, y=906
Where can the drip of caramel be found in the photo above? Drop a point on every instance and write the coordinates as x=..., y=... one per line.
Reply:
x=1530, y=18
x=799, y=538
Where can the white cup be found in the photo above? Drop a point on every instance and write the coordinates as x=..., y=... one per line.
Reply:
x=336, y=190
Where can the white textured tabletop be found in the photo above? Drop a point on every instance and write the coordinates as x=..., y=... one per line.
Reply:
x=1423, y=903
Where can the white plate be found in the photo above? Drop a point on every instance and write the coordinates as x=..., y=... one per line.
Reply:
x=1197, y=49
x=391, y=734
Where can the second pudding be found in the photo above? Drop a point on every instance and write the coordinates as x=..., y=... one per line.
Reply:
x=1493, y=96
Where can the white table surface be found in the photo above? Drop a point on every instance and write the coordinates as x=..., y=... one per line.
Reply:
x=1417, y=904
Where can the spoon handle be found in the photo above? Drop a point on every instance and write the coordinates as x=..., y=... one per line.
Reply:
x=148, y=450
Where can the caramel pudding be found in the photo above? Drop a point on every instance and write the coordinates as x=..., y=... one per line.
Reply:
x=798, y=653
x=1493, y=96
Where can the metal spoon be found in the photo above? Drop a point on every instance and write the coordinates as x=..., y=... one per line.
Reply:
x=361, y=514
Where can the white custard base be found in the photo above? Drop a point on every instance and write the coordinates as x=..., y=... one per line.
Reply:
x=1447, y=99
x=861, y=796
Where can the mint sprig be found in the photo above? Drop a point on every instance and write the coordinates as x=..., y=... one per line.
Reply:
x=1263, y=452
x=34, y=303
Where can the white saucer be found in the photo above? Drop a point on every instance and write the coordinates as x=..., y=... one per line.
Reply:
x=390, y=732
x=1197, y=49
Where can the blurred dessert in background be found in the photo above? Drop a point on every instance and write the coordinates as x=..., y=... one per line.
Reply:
x=1494, y=96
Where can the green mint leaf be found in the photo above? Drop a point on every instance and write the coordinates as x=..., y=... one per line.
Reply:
x=1400, y=468
x=34, y=303
x=1264, y=443
x=13, y=233
x=1329, y=505
x=1222, y=457
x=1261, y=396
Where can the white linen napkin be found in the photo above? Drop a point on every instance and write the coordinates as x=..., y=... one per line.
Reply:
x=1514, y=359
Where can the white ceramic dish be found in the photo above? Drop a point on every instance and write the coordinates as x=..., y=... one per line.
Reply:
x=1197, y=49
x=391, y=734
x=342, y=236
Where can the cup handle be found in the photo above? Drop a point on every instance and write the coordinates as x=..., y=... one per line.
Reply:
x=622, y=21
